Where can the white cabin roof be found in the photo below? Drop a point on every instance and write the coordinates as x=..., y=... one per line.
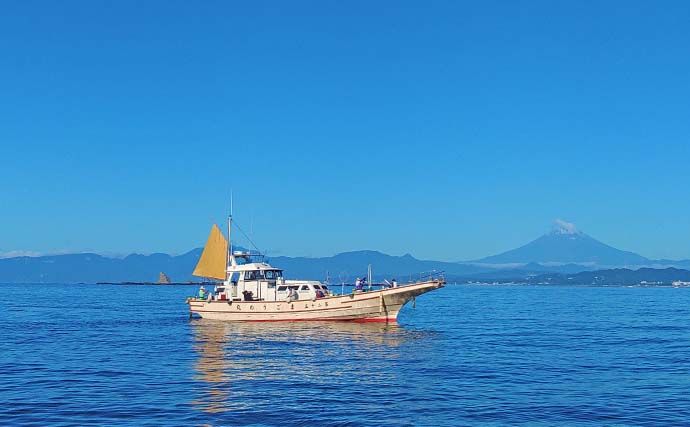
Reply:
x=253, y=266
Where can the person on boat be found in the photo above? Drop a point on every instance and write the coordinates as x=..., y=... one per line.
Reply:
x=358, y=284
x=202, y=293
x=248, y=295
x=320, y=294
x=394, y=283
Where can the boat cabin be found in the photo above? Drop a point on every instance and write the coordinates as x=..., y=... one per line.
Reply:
x=252, y=279
x=302, y=290
x=247, y=276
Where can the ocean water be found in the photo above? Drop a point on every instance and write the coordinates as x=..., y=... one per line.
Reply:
x=466, y=355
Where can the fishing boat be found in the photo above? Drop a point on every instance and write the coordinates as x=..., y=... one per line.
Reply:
x=253, y=290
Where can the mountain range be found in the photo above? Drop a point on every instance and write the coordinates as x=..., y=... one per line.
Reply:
x=92, y=268
x=564, y=250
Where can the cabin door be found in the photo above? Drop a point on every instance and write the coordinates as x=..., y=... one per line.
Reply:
x=233, y=284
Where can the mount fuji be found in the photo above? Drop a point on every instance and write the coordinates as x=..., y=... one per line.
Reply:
x=567, y=245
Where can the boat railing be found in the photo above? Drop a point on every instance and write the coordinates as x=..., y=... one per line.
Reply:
x=428, y=276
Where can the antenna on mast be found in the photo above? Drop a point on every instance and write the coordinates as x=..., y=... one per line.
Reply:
x=228, y=255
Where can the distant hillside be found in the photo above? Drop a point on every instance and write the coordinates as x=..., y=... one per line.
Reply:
x=76, y=268
x=618, y=276
x=354, y=264
x=89, y=268
x=519, y=274
x=564, y=244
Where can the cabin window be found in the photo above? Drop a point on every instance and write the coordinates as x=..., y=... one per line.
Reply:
x=317, y=287
x=324, y=287
x=294, y=288
x=253, y=275
x=282, y=288
x=305, y=288
x=273, y=274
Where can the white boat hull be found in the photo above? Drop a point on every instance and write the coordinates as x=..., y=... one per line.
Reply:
x=374, y=306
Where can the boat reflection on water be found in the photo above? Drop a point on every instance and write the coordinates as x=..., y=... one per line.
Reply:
x=232, y=356
x=210, y=368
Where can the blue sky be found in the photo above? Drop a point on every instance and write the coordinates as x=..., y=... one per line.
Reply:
x=449, y=130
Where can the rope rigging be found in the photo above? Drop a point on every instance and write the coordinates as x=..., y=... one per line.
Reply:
x=246, y=236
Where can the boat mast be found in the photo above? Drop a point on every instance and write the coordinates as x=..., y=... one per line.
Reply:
x=228, y=256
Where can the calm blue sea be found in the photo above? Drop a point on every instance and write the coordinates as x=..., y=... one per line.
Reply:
x=467, y=355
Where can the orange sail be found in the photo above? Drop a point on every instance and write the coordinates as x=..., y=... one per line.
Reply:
x=212, y=262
